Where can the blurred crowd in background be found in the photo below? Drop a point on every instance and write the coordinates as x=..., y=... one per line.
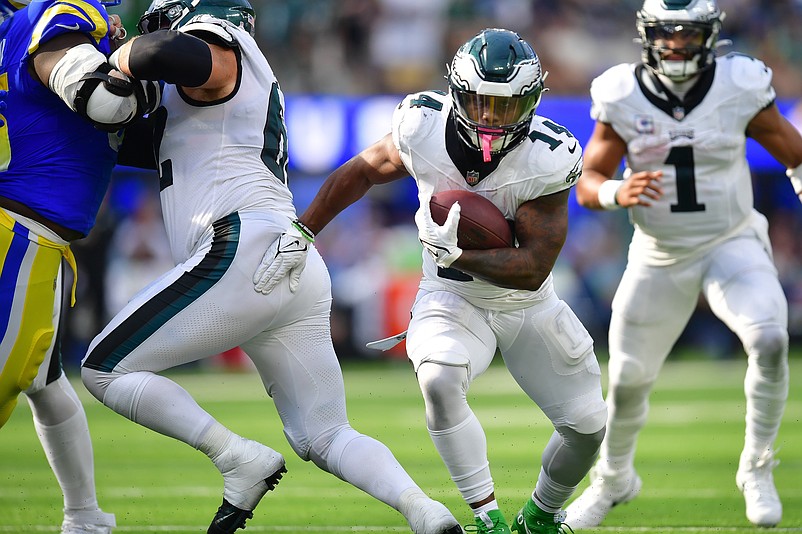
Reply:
x=352, y=52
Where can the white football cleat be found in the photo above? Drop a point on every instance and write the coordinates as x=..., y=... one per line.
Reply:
x=87, y=522
x=249, y=470
x=605, y=491
x=425, y=515
x=755, y=480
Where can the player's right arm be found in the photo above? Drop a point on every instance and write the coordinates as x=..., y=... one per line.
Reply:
x=596, y=189
x=782, y=140
x=76, y=71
x=380, y=163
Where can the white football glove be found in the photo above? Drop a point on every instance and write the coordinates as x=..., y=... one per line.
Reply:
x=286, y=256
x=440, y=241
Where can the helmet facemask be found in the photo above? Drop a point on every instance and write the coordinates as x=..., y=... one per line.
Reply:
x=495, y=82
x=163, y=17
x=173, y=14
x=691, y=28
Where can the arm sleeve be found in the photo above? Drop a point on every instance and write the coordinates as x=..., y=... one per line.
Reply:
x=175, y=57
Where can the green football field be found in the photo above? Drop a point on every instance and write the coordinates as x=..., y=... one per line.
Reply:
x=687, y=457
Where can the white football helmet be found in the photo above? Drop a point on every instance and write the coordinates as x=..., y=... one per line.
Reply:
x=695, y=23
x=495, y=82
x=173, y=14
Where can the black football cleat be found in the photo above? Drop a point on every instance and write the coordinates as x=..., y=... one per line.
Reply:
x=228, y=519
x=249, y=459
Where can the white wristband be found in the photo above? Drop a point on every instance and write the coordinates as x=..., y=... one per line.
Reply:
x=114, y=59
x=795, y=175
x=607, y=191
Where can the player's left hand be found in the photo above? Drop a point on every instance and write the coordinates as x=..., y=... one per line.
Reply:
x=116, y=29
x=117, y=32
x=286, y=256
x=640, y=189
x=440, y=241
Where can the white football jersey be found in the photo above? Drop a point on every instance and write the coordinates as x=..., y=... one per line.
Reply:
x=700, y=145
x=216, y=158
x=548, y=161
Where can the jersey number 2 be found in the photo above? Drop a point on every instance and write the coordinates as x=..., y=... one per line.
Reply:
x=681, y=157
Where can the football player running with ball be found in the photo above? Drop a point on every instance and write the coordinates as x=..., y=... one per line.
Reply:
x=681, y=119
x=484, y=137
x=219, y=142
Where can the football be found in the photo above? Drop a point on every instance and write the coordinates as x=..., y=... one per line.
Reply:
x=481, y=224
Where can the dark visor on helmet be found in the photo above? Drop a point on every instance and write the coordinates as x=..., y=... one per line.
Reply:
x=685, y=32
x=497, y=111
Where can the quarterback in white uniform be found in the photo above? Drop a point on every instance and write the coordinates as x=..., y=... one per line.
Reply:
x=219, y=143
x=484, y=137
x=681, y=118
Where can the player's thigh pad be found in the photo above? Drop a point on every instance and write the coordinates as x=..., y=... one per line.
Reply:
x=29, y=333
x=743, y=289
x=550, y=355
x=447, y=329
x=651, y=308
x=50, y=368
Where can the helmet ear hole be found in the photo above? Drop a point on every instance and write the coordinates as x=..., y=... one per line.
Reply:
x=495, y=81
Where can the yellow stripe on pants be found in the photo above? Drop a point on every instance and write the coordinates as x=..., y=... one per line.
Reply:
x=32, y=331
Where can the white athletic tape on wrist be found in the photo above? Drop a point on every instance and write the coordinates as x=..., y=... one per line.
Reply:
x=795, y=175
x=114, y=59
x=65, y=78
x=607, y=192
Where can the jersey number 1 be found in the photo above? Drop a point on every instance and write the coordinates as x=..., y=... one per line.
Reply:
x=681, y=157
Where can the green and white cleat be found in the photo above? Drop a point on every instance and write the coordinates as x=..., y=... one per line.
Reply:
x=533, y=520
x=492, y=522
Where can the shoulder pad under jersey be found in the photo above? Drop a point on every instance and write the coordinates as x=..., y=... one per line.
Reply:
x=218, y=27
x=746, y=72
x=557, y=155
x=614, y=84
x=60, y=17
x=413, y=117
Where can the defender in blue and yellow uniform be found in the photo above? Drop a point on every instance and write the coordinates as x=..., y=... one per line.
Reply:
x=55, y=166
